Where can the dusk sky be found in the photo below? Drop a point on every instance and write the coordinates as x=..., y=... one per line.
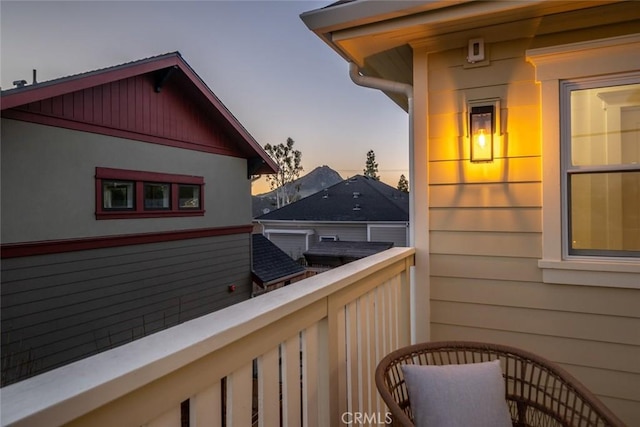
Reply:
x=277, y=77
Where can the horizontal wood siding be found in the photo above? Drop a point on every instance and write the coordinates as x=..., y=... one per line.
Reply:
x=294, y=244
x=486, y=238
x=62, y=307
x=291, y=244
x=397, y=235
x=351, y=232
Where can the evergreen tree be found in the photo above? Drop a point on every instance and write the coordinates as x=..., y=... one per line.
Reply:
x=288, y=160
x=371, y=167
x=403, y=184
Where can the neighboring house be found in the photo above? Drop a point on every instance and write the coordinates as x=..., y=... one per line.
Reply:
x=126, y=209
x=525, y=171
x=356, y=209
x=330, y=254
x=272, y=268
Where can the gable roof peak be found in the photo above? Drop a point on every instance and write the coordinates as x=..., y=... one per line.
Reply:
x=71, y=77
x=159, y=67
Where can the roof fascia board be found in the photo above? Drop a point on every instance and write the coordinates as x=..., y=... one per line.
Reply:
x=237, y=126
x=82, y=81
x=362, y=12
x=57, y=87
x=451, y=11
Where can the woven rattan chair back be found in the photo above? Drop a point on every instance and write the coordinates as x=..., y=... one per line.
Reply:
x=538, y=391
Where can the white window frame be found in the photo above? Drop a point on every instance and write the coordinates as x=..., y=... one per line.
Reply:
x=554, y=65
x=567, y=87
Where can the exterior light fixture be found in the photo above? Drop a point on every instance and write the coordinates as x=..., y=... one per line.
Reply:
x=481, y=130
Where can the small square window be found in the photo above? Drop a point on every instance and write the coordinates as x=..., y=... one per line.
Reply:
x=189, y=196
x=118, y=195
x=157, y=196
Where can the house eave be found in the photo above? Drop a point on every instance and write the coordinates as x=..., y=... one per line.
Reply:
x=16, y=97
x=360, y=29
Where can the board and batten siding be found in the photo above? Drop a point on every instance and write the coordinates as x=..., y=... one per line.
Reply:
x=59, y=308
x=486, y=237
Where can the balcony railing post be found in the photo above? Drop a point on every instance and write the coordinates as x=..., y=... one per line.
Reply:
x=317, y=399
x=335, y=349
x=404, y=309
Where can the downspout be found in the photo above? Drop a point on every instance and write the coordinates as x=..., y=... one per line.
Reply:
x=407, y=90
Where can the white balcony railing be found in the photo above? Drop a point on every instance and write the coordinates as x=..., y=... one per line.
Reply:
x=301, y=355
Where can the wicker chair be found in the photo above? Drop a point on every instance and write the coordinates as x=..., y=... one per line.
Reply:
x=538, y=392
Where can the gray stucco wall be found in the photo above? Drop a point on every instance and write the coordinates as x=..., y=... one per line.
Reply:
x=62, y=307
x=48, y=184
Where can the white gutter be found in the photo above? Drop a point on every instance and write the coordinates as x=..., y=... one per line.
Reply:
x=407, y=90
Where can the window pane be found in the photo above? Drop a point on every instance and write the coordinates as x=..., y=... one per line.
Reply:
x=189, y=196
x=605, y=125
x=157, y=196
x=605, y=212
x=117, y=195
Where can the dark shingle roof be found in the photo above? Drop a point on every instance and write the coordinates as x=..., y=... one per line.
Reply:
x=343, y=252
x=355, y=199
x=270, y=263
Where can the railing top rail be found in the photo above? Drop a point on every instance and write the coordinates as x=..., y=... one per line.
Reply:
x=75, y=389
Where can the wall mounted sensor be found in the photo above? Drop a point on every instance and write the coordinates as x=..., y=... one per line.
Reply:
x=475, y=51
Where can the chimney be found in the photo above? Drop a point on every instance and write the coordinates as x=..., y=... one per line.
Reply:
x=34, y=76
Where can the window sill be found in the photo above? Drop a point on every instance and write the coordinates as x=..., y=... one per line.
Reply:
x=598, y=272
x=148, y=214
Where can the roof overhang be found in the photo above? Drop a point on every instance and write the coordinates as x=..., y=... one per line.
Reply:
x=380, y=37
x=161, y=66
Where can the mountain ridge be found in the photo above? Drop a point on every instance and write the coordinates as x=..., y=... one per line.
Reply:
x=316, y=180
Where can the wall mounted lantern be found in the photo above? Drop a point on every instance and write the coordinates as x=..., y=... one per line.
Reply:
x=481, y=131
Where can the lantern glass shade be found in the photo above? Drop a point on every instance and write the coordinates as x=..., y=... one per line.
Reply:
x=481, y=133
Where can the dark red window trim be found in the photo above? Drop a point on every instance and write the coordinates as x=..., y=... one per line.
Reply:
x=139, y=178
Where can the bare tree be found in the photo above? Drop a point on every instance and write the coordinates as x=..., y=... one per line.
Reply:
x=288, y=160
